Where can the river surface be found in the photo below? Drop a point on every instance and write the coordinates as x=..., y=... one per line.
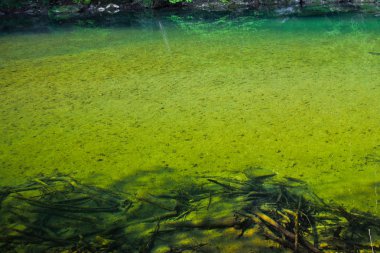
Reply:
x=176, y=95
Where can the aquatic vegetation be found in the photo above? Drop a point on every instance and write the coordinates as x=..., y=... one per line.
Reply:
x=57, y=212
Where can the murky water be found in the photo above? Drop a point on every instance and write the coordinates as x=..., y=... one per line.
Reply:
x=299, y=96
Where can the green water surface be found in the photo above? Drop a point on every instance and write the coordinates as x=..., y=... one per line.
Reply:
x=299, y=96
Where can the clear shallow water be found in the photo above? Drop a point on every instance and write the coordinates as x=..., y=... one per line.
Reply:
x=298, y=96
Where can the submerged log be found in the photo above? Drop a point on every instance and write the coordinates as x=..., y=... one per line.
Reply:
x=291, y=216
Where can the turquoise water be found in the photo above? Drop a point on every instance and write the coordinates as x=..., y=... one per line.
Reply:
x=117, y=97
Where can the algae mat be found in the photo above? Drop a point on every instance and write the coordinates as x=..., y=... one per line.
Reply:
x=296, y=96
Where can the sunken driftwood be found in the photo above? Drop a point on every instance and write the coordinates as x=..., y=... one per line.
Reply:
x=59, y=213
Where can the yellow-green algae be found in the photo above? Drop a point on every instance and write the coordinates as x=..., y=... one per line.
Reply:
x=102, y=104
